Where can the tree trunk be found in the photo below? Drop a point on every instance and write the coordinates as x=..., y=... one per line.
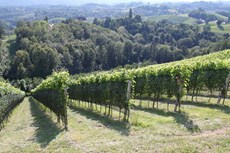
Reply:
x=220, y=96
x=158, y=95
x=128, y=115
x=196, y=94
x=210, y=96
x=105, y=109
x=176, y=105
x=109, y=110
x=154, y=104
x=119, y=113
x=125, y=115
x=140, y=104
x=79, y=102
x=225, y=90
x=193, y=92
x=168, y=104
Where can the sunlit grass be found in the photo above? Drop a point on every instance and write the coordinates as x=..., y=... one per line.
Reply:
x=199, y=127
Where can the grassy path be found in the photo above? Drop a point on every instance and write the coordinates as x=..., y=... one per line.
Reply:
x=199, y=128
x=18, y=131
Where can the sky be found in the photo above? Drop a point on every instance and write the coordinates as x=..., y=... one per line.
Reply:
x=127, y=1
x=80, y=2
x=151, y=1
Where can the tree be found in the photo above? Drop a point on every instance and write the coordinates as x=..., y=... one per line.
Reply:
x=86, y=33
x=67, y=60
x=219, y=22
x=89, y=60
x=164, y=55
x=138, y=18
x=185, y=42
x=1, y=32
x=22, y=57
x=21, y=71
x=128, y=52
x=96, y=21
x=4, y=60
x=78, y=58
x=101, y=40
x=115, y=54
x=81, y=18
x=130, y=13
x=207, y=28
x=21, y=66
x=45, y=59
x=107, y=23
x=46, y=19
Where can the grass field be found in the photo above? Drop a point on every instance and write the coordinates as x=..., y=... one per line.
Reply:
x=200, y=127
x=183, y=18
x=222, y=29
x=220, y=16
x=173, y=18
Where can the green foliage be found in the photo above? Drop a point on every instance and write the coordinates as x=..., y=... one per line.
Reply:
x=173, y=19
x=172, y=79
x=10, y=97
x=219, y=22
x=201, y=14
x=56, y=81
x=27, y=84
x=103, y=89
x=5, y=60
x=52, y=94
x=7, y=89
x=1, y=32
x=130, y=13
x=77, y=46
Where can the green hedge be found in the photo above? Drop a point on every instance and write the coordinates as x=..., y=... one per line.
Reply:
x=10, y=97
x=103, y=89
x=52, y=94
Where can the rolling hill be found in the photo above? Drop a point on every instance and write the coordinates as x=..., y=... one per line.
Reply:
x=173, y=19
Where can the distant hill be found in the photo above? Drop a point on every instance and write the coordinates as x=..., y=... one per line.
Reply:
x=173, y=18
x=35, y=2
x=80, y=2
x=56, y=2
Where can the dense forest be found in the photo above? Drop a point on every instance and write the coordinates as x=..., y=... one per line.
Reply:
x=35, y=41
x=77, y=46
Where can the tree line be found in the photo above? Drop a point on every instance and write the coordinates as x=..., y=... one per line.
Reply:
x=77, y=46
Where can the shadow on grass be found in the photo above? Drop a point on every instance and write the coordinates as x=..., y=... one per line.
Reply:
x=220, y=27
x=180, y=117
x=122, y=127
x=223, y=108
x=46, y=130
